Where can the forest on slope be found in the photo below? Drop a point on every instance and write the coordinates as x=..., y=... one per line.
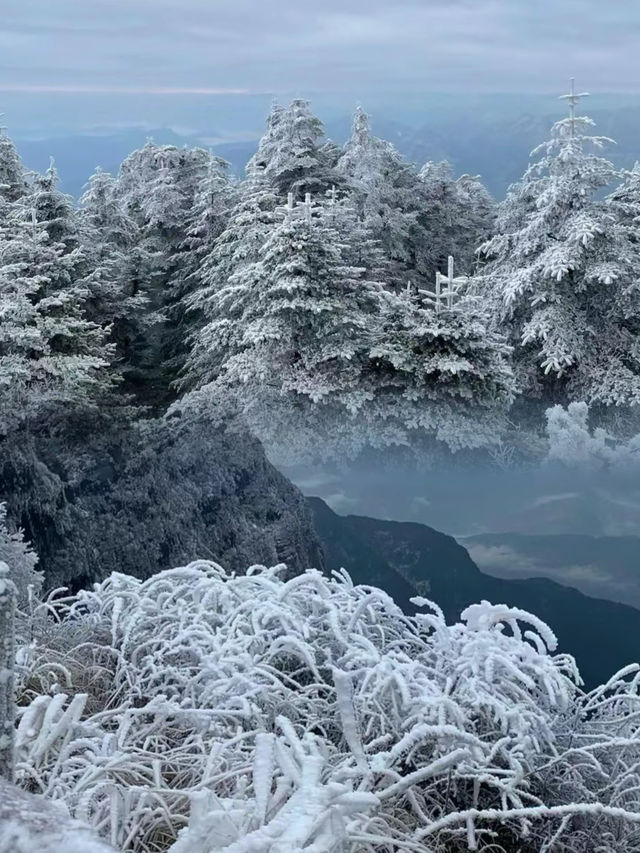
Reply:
x=300, y=304
x=152, y=337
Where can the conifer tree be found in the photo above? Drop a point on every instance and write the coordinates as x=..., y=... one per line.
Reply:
x=311, y=311
x=358, y=245
x=441, y=375
x=623, y=202
x=293, y=154
x=388, y=197
x=51, y=355
x=214, y=201
x=275, y=131
x=13, y=177
x=111, y=239
x=54, y=211
x=225, y=276
x=20, y=559
x=302, y=336
x=459, y=214
x=440, y=194
x=157, y=187
x=561, y=275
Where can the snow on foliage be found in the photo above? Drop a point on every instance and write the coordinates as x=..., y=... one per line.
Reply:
x=562, y=272
x=461, y=216
x=29, y=823
x=51, y=354
x=321, y=357
x=293, y=154
x=201, y=712
x=575, y=444
x=387, y=194
x=151, y=288
x=13, y=179
x=21, y=560
x=112, y=240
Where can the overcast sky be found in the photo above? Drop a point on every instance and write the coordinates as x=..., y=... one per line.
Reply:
x=104, y=53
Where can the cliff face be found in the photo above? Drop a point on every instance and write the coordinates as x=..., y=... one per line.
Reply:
x=408, y=559
x=160, y=495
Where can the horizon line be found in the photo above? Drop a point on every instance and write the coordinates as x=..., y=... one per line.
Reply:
x=98, y=89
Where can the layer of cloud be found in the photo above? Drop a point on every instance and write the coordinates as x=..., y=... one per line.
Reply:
x=209, y=46
x=503, y=561
x=110, y=89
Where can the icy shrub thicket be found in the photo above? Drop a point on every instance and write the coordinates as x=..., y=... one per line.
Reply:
x=202, y=712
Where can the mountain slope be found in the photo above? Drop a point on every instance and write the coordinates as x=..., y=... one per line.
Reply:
x=601, y=566
x=152, y=496
x=602, y=635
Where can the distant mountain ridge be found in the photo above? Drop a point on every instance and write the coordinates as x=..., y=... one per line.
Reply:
x=602, y=566
x=408, y=559
x=495, y=146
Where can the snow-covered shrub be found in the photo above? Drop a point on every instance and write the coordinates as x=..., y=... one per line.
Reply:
x=208, y=712
x=20, y=559
x=29, y=823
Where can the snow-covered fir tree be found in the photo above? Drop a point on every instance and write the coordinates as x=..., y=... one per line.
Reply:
x=296, y=347
x=13, y=176
x=54, y=210
x=56, y=362
x=270, y=141
x=118, y=262
x=294, y=155
x=214, y=201
x=561, y=275
x=440, y=196
x=625, y=197
x=309, y=315
x=157, y=186
x=358, y=245
x=21, y=561
x=438, y=374
x=51, y=354
x=232, y=271
x=461, y=216
x=388, y=196
x=224, y=277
